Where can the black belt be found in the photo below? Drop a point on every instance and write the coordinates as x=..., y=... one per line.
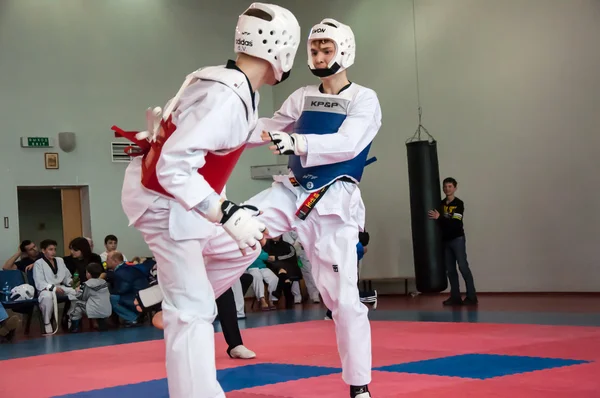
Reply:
x=311, y=201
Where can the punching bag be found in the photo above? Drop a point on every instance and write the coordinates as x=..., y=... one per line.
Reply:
x=425, y=195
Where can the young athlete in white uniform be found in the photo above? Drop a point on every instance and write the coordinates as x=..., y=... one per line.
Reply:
x=174, y=192
x=327, y=131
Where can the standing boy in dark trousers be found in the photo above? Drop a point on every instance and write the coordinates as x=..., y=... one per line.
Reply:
x=455, y=250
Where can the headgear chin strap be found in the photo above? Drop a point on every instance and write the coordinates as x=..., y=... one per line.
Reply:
x=345, y=48
x=335, y=68
x=284, y=76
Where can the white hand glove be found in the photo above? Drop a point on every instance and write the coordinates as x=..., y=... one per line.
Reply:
x=241, y=224
x=153, y=119
x=289, y=144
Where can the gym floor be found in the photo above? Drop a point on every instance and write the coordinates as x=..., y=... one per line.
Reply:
x=513, y=314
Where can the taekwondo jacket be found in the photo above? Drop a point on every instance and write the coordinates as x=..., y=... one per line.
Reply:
x=216, y=114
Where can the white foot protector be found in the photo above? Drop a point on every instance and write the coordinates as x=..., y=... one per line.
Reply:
x=149, y=298
x=241, y=352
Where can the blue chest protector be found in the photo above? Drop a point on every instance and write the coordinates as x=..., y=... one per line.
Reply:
x=320, y=122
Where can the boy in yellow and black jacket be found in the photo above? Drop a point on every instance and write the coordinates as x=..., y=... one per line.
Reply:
x=449, y=217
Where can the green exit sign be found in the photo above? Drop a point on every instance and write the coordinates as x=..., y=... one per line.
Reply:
x=37, y=142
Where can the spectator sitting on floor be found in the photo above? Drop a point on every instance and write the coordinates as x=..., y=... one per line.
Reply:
x=110, y=244
x=91, y=242
x=239, y=288
x=261, y=275
x=50, y=272
x=306, y=269
x=283, y=262
x=93, y=299
x=81, y=256
x=125, y=281
x=27, y=255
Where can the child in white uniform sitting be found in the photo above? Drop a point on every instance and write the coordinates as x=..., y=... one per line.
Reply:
x=51, y=273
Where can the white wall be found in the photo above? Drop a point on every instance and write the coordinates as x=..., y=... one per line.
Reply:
x=82, y=66
x=511, y=91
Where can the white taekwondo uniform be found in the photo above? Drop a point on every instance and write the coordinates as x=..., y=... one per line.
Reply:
x=339, y=130
x=188, y=155
x=214, y=116
x=45, y=277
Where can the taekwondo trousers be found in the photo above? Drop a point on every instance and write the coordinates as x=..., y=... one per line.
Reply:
x=192, y=273
x=46, y=302
x=331, y=230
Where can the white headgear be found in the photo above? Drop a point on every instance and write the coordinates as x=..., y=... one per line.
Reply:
x=274, y=37
x=345, y=47
x=22, y=292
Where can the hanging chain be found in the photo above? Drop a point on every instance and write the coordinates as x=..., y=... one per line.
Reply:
x=417, y=135
x=420, y=127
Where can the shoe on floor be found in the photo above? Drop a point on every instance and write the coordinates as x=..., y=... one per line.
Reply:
x=470, y=301
x=241, y=352
x=131, y=324
x=75, y=326
x=453, y=301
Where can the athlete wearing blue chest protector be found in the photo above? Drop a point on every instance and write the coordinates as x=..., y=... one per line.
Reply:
x=326, y=130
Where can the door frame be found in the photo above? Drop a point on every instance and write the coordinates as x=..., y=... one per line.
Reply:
x=77, y=223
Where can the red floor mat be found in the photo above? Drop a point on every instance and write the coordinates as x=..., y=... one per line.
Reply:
x=419, y=349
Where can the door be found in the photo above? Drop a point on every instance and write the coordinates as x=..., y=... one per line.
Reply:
x=40, y=215
x=71, y=215
x=58, y=213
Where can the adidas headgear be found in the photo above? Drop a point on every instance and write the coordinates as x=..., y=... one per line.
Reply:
x=269, y=32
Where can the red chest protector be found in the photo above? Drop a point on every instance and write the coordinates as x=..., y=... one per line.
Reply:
x=216, y=171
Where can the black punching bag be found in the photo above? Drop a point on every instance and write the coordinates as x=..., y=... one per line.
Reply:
x=424, y=185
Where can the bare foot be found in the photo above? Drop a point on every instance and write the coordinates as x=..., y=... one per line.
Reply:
x=137, y=306
x=157, y=320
